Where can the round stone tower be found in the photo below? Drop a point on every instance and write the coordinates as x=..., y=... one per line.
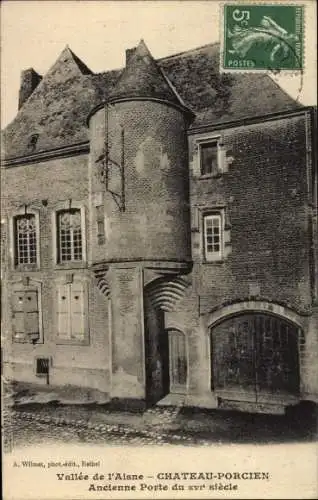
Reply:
x=139, y=150
x=140, y=213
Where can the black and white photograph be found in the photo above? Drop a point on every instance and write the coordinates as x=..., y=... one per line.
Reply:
x=159, y=249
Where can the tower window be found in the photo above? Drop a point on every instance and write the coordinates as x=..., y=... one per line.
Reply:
x=69, y=227
x=25, y=239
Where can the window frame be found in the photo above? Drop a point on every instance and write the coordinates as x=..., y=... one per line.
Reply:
x=62, y=282
x=64, y=206
x=13, y=249
x=204, y=142
x=211, y=257
x=74, y=247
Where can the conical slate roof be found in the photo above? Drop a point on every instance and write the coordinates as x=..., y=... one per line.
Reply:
x=142, y=77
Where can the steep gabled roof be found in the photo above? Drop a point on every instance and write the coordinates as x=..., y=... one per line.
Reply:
x=81, y=66
x=66, y=66
x=58, y=107
x=56, y=110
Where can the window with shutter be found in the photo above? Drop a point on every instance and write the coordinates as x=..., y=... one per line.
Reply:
x=25, y=315
x=63, y=316
x=71, y=313
x=77, y=312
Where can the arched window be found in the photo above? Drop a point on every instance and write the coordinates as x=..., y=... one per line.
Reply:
x=25, y=239
x=69, y=234
x=69, y=226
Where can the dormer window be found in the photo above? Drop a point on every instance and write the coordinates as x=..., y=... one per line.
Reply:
x=33, y=142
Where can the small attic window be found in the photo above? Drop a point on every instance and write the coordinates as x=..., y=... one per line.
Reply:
x=33, y=141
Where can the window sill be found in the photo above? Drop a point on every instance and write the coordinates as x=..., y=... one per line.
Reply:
x=71, y=264
x=26, y=267
x=84, y=342
x=213, y=262
x=27, y=341
x=210, y=176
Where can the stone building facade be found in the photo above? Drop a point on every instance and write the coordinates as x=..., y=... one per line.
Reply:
x=159, y=230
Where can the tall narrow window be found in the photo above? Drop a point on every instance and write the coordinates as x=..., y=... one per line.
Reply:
x=213, y=237
x=25, y=239
x=69, y=226
x=100, y=219
x=209, y=157
x=71, y=317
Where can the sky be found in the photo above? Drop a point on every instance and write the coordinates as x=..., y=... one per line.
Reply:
x=34, y=33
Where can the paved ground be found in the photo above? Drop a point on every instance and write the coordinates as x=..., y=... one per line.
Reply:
x=26, y=422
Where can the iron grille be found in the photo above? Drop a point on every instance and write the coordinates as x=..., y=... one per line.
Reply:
x=42, y=366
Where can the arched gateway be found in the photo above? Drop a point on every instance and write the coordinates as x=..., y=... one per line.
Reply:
x=254, y=357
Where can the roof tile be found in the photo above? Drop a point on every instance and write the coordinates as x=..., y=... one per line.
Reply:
x=58, y=107
x=142, y=77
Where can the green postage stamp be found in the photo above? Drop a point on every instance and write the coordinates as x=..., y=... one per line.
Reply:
x=262, y=37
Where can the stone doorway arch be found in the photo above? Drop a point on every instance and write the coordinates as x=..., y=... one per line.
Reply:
x=255, y=357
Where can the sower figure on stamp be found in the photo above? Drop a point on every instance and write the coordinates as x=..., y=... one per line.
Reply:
x=269, y=32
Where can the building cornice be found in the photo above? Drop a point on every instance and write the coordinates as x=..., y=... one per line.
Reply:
x=84, y=147
x=207, y=127
x=51, y=154
x=132, y=98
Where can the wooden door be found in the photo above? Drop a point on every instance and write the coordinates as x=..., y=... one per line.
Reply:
x=178, y=362
x=255, y=355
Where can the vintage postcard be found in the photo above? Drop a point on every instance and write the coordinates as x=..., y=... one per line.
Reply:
x=159, y=265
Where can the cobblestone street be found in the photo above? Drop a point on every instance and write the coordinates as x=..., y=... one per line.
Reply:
x=54, y=423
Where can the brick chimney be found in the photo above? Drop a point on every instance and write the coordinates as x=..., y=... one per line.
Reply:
x=129, y=53
x=30, y=79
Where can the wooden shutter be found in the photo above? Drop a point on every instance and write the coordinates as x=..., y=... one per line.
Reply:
x=25, y=314
x=18, y=315
x=31, y=318
x=63, y=311
x=77, y=311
